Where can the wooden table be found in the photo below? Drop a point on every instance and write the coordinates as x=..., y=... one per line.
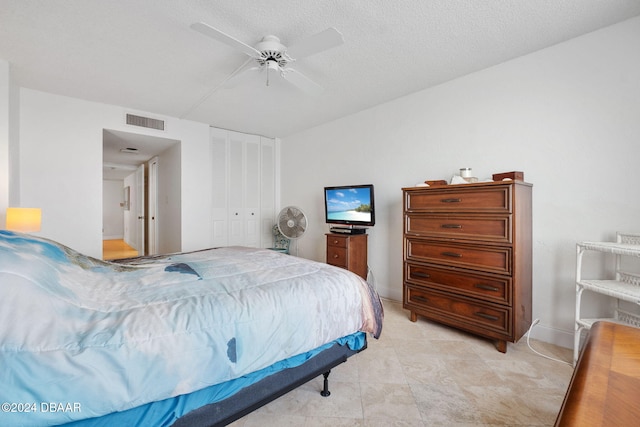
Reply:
x=605, y=387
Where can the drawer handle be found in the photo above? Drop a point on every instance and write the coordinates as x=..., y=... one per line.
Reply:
x=452, y=200
x=421, y=298
x=335, y=242
x=452, y=254
x=450, y=226
x=486, y=287
x=336, y=256
x=420, y=274
x=485, y=316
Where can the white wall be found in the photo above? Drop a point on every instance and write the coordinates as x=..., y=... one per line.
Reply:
x=568, y=116
x=9, y=131
x=112, y=210
x=169, y=203
x=4, y=140
x=61, y=167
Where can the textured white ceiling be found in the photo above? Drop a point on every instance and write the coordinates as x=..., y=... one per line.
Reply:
x=142, y=54
x=118, y=164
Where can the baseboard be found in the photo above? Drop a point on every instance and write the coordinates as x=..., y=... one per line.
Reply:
x=117, y=237
x=551, y=335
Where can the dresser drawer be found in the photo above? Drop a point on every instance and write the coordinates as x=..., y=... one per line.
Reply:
x=337, y=241
x=488, y=288
x=465, y=199
x=478, y=228
x=337, y=256
x=456, y=311
x=485, y=258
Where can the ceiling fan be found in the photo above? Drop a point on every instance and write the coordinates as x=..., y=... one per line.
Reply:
x=271, y=57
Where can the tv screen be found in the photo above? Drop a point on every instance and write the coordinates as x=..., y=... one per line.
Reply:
x=350, y=205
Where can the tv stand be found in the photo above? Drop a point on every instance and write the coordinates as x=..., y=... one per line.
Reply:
x=348, y=251
x=348, y=230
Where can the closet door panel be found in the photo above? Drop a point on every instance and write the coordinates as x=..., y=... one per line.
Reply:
x=236, y=191
x=252, y=191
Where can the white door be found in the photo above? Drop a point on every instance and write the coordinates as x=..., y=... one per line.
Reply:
x=152, y=223
x=139, y=210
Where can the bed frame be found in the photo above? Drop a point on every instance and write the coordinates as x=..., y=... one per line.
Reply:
x=268, y=389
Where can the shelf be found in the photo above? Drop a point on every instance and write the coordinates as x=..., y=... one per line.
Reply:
x=612, y=248
x=623, y=317
x=624, y=290
x=588, y=323
x=625, y=286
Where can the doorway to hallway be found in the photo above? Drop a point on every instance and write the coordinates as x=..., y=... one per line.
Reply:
x=142, y=191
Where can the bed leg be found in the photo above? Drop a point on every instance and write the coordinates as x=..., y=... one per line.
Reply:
x=325, y=390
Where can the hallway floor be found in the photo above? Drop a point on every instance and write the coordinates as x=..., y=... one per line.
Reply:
x=116, y=249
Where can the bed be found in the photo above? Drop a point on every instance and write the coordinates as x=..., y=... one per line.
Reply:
x=197, y=338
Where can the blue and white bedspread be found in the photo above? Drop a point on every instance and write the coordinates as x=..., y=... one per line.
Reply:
x=81, y=338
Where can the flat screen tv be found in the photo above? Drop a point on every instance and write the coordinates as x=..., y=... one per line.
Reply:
x=350, y=205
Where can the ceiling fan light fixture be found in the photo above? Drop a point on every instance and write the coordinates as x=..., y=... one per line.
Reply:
x=272, y=65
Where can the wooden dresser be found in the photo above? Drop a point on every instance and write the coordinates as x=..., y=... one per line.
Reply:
x=348, y=251
x=467, y=257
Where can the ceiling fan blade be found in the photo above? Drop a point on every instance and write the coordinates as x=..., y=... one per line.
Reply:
x=302, y=82
x=216, y=34
x=322, y=41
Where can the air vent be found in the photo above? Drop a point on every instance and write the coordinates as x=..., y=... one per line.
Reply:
x=145, y=122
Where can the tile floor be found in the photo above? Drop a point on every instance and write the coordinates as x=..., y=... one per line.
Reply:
x=425, y=374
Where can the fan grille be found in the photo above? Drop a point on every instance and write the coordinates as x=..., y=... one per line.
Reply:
x=273, y=55
x=292, y=222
